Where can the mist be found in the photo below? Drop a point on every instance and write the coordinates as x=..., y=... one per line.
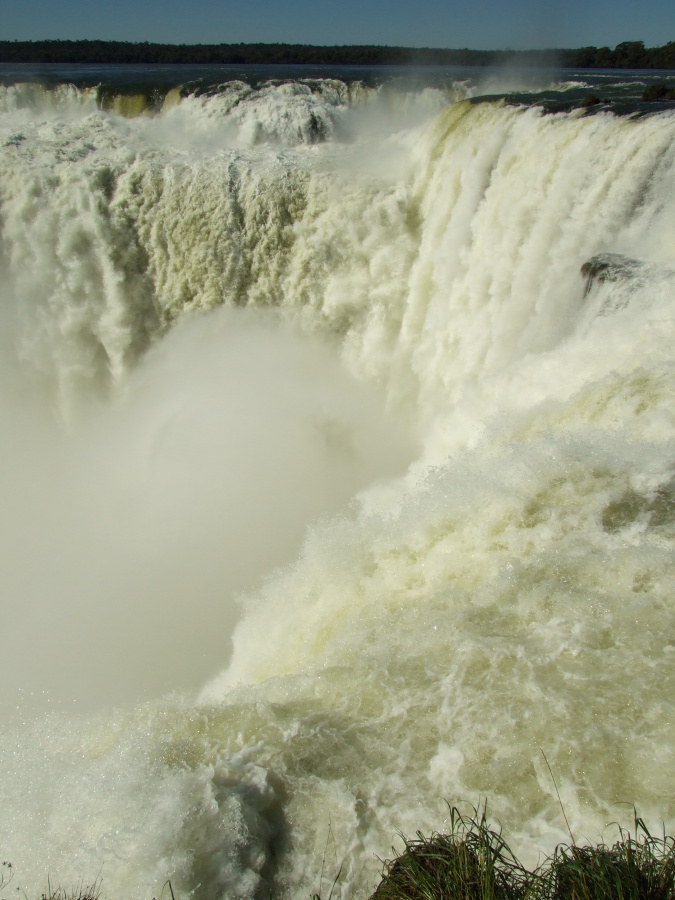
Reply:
x=126, y=537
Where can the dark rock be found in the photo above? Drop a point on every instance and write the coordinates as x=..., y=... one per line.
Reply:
x=610, y=267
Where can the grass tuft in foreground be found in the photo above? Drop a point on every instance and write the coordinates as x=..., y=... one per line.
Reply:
x=636, y=867
x=473, y=862
x=82, y=892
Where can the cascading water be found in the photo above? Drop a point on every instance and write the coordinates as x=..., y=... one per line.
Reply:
x=346, y=415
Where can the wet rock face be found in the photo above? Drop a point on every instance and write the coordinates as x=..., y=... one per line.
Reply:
x=610, y=267
x=616, y=280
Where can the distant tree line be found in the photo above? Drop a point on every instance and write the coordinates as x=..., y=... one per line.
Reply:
x=628, y=55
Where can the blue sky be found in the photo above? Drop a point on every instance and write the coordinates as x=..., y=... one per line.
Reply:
x=479, y=24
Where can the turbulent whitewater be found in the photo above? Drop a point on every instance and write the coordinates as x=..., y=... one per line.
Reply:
x=338, y=474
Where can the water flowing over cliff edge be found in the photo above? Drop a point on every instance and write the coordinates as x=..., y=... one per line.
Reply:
x=338, y=473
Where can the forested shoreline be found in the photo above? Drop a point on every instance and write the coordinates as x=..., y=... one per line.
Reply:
x=627, y=55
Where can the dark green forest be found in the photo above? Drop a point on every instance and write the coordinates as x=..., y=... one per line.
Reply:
x=627, y=55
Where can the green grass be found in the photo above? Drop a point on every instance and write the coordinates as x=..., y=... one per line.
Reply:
x=80, y=892
x=474, y=862
x=636, y=867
